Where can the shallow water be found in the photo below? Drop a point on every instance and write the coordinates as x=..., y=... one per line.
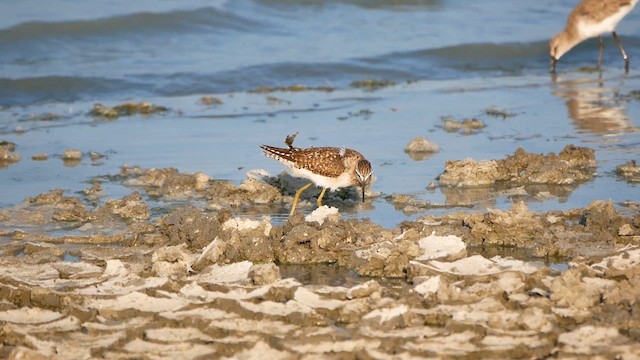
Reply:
x=447, y=59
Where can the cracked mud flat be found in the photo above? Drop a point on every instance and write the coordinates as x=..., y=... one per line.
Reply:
x=85, y=276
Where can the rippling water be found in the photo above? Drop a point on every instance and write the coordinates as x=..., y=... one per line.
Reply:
x=447, y=57
x=70, y=50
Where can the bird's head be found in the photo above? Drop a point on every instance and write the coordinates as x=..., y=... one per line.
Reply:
x=363, y=174
x=560, y=45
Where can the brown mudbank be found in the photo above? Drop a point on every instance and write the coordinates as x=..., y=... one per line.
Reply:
x=571, y=166
x=201, y=283
x=593, y=231
x=124, y=302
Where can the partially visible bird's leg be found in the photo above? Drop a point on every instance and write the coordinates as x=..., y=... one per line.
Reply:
x=624, y=53
x=297, y=197
x=600, y=51
x=319, y=202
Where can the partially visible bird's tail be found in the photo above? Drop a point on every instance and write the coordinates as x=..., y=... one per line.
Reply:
x=277, y=153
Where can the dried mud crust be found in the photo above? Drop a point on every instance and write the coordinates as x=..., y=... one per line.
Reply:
x=211, y=287
x=201, y=283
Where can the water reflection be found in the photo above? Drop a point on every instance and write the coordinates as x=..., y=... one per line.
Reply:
x=592, y=106
x=486, y=197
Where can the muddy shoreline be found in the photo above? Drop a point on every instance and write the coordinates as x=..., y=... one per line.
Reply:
x=83, y=275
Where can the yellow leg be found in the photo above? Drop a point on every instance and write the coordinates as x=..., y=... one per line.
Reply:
x=297, y=197
x=319, y=202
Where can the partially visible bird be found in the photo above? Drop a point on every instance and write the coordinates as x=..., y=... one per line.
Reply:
x=328, y=167
x=589, y=19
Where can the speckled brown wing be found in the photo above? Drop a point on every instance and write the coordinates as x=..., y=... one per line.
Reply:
x=597, y=10
x=325, y=161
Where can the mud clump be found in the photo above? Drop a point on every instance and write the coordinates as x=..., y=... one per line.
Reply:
x=8, y=145
x=71, y=154
x=410, y=205
x=8, y=155
x=467, y=126
x=517, y=227
x=251, y=191
x=191, y=226
x=421, y=149
x=629, y=171
x=573, y=165
x=168, y=182
x=71, y=157
x=499, y=113
x=307, y=242
x=131, y=207
x=291, y=88
x=210, y=100
x=126, y=109
x=56, y=207
x=372, y=84
x=40, y=157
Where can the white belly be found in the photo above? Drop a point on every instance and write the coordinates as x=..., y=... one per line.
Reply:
x=343, y=180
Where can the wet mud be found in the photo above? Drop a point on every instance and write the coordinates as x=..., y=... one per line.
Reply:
x=126, y=109
x=466, y=126
x=84, y=276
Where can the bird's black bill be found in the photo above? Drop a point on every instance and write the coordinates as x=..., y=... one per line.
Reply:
x=362, y=193
x=552, y=67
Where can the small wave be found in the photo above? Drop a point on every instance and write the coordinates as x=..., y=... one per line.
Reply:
x=466, y=59
x=453, y=62
x=141, y=23
x=494, y=59
x=409, y=5
x=28, y=91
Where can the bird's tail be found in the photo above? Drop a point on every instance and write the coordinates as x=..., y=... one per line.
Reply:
x=277, y=153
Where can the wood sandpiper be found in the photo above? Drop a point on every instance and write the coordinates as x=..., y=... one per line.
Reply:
x=328, y=167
